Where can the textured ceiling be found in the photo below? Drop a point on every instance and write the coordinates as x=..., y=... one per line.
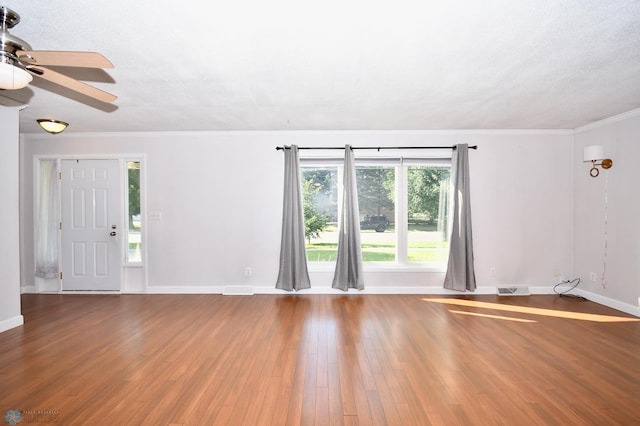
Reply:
x=336, y=65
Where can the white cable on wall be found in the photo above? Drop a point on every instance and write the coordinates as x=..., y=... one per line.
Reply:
x=606, y=231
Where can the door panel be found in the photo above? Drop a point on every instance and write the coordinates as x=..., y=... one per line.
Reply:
x=91, y=255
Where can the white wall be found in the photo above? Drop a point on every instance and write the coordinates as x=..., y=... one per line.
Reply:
x=607, y=212
x=9, y=218
x=220, y=197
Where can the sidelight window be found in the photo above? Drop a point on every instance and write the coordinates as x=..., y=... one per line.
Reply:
x=134, y=218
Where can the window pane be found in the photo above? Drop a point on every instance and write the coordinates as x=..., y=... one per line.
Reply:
x=134, y=222
x=428, y=206
x=320, y=195
x=376, y=197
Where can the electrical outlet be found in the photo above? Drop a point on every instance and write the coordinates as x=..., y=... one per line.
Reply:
x=492, y=271
x=247, y=272
x=593, y=276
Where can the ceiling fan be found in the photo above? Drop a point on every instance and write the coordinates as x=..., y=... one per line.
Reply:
x=18, y=62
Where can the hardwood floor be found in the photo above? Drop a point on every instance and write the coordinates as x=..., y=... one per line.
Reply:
x=320, y=359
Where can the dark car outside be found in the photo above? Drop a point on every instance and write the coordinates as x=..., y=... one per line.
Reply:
x=378, y=222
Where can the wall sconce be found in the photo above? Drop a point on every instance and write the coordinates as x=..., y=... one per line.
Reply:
x=52, y=126
x=593, y=154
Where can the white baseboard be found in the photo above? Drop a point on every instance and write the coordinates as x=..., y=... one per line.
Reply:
x=376, y=290
x=10, y=323
x=611, y=303
x=194, y=289
x=484, y=290
x=197, y=289
x=32, y=290
x=236, y=290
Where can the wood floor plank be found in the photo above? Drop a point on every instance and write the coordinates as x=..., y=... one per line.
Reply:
x=321, y=359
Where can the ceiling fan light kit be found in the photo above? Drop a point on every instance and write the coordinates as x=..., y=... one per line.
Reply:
x=12, y=77
x=52, y=126
x=18, y=63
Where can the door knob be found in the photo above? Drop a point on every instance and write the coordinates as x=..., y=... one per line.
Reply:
x=112, y=233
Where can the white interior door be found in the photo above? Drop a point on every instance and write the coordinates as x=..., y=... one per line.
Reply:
x=91, y=225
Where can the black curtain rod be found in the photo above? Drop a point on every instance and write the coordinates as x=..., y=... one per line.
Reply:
x=280, y=148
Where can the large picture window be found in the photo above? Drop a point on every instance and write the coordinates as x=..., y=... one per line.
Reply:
x=404, y=210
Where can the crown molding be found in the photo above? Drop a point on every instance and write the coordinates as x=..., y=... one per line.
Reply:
x=608, y=121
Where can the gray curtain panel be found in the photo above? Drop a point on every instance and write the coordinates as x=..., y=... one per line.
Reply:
x=460, y=274
x=349, y=261
x=293, y=273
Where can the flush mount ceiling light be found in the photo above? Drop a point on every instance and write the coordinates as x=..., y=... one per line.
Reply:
x=12, y=77
x=52, y=126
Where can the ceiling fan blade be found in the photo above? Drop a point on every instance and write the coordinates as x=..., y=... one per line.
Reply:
x=72, y=84
x=64, y=58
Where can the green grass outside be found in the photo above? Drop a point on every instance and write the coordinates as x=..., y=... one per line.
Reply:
x=418, y=252
x=422, y=227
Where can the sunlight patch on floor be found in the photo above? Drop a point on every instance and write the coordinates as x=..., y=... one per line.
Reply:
x=476, y=314
x=533, y=311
